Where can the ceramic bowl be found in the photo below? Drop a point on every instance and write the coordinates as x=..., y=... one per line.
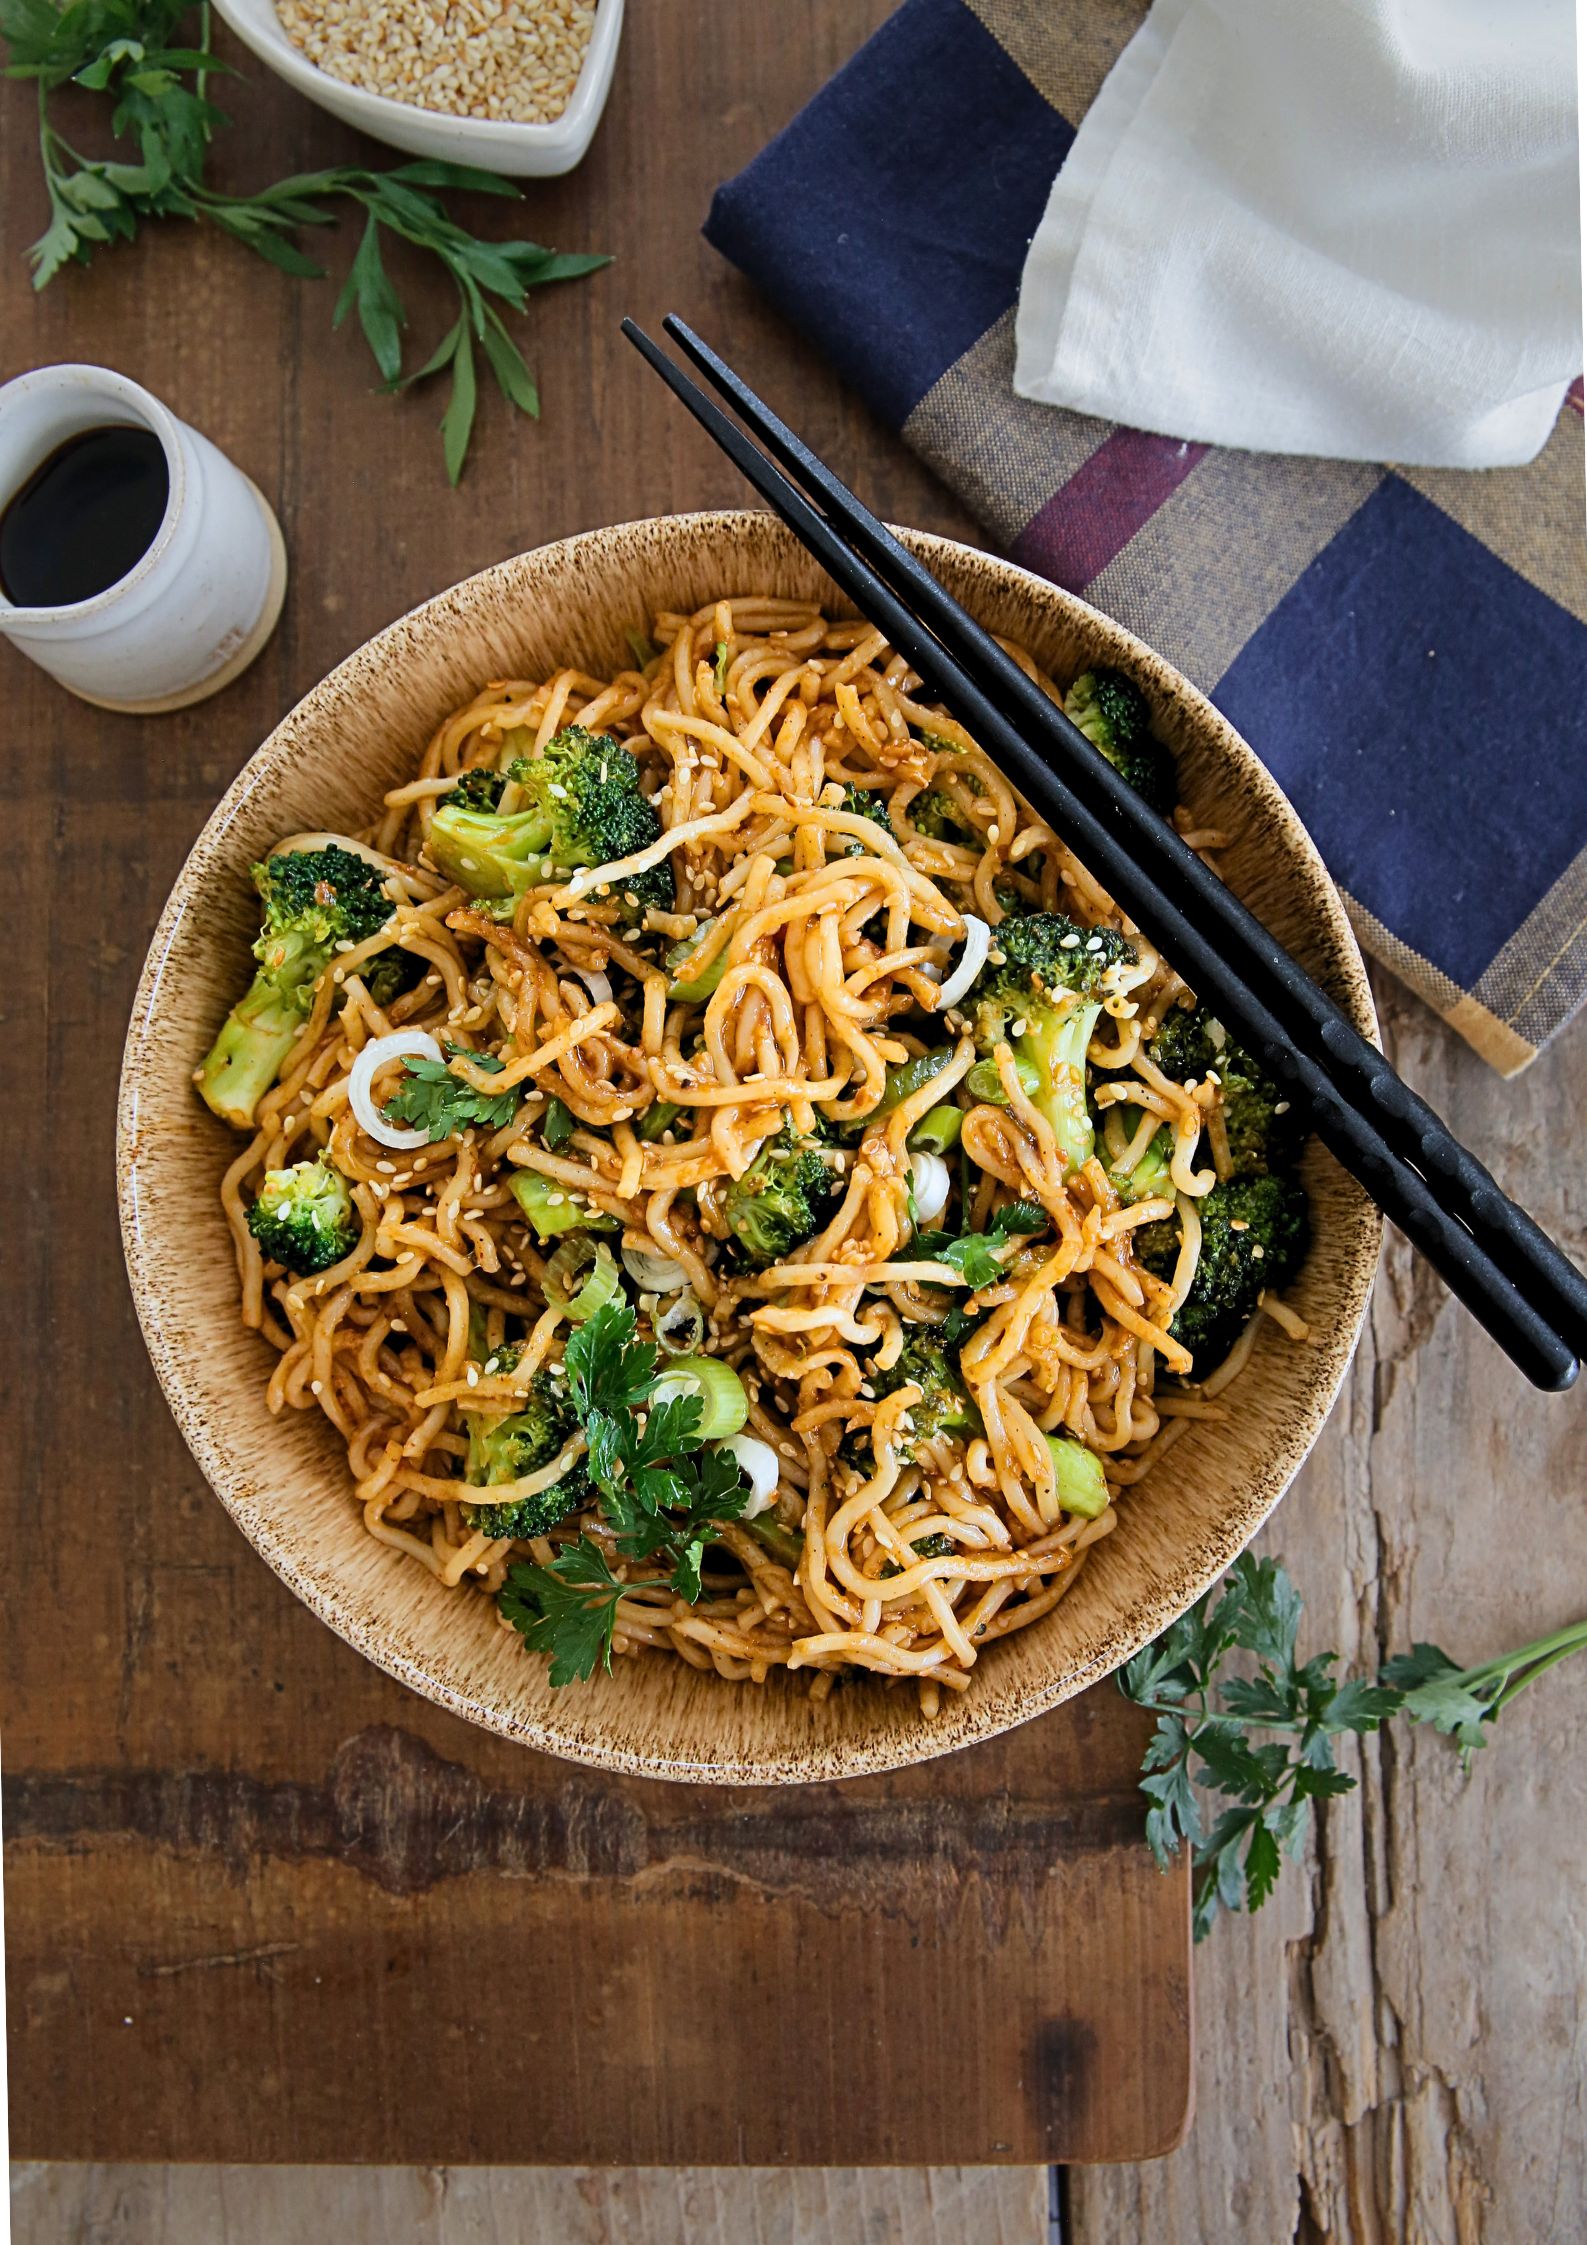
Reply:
x=284, y=1479
x=518, y=151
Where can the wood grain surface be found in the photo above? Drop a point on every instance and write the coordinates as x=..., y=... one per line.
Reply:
x=512, y=2206
x=1390, y=2052
x=263, y=1905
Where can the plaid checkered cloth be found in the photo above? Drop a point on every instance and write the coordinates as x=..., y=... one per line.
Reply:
x=1405, y=648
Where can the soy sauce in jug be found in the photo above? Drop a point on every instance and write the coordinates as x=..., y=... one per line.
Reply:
x=84, y=518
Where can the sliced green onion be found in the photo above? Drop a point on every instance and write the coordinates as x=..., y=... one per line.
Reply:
x=657, y=1120
x=786, y=1545
x=691, y=985
x=557, y=1127
x=552, y=1208
x=938, y=1132
x=680, y=1327
x=724, y=1406
x=984, y=1082
x=902, y=1083
x=581, y=1278
x=1082, y=1486
x=654, y=1274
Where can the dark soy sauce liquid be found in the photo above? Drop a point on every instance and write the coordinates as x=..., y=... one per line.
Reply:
x=84, y=518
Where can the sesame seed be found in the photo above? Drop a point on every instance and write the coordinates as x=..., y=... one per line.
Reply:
x=519, y=65
x=1282, y=1107
x=1258, y=1250
x=1069, y=943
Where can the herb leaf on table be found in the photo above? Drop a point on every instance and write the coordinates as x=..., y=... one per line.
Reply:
x=129, y=51
x=1209, y=1725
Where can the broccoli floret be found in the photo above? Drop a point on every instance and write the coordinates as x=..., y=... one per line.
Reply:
x=1111, y=711
x=505, y=1449
x=778, y=1202
x=1043, y=997
x=579, y=802
x=860, y=802
x=314, y=899
x=479, y=789
x=1262, y=1129
x=1254, y=1236
x=304, y=1218
x=935, y=814
x=929, y=1361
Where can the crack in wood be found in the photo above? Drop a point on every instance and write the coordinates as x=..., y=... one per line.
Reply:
x=403, y=1816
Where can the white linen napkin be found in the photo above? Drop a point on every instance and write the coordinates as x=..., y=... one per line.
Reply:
x=1341, y=227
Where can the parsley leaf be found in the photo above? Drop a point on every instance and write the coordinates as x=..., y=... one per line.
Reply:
x=431, y=1098
x=568, y=1610
x=557, y=1126
x=661, y=1493
x=1206, y=1721
x=972, y=1254
x=609, y=1370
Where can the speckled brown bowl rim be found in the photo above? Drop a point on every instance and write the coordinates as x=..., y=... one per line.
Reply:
x=579, y=1727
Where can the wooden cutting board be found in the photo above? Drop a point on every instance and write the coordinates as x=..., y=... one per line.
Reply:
x=262, y=1904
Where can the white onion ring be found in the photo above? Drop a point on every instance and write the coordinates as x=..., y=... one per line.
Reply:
x=402, y=1044
x=657, y=1274
x=977, y=943
x=761, y=1471
x=931, y=1184
x=597, y=982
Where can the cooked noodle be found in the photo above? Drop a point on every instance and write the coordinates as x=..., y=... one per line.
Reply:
x=840, y=936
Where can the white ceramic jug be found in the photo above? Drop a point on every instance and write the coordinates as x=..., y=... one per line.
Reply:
x=198, y=606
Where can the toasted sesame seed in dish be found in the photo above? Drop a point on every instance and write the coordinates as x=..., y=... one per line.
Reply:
x=516, y=61
x=511, y=86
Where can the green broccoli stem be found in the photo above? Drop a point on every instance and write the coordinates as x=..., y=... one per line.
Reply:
x=246, y=1057
x=1056, y=1045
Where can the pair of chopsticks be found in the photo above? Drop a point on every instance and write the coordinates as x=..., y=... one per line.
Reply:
x=1490, y=1253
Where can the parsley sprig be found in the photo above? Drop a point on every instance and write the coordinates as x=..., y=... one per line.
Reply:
x=131, y=51
x=1216, y=1731
x=430, y=1097
x=662, y=1492
x=974, y=1254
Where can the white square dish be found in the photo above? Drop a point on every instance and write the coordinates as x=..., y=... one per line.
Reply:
x=519, y=151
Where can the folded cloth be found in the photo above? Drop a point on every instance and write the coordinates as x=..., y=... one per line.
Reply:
x=1349, y=230
x=1406, y=649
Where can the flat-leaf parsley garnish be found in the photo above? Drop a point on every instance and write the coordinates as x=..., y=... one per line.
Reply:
x=432, y=1098
x=663, y=1494
x=973, y=1255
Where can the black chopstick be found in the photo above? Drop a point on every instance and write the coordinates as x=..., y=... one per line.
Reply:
x=1104, y=839
x=1516, y=1244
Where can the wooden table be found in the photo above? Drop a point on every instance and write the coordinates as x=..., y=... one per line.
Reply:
x=1390, y=2052
x=264, y=1905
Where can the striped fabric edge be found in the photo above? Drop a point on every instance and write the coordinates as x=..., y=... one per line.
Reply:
x=1493, y=1040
